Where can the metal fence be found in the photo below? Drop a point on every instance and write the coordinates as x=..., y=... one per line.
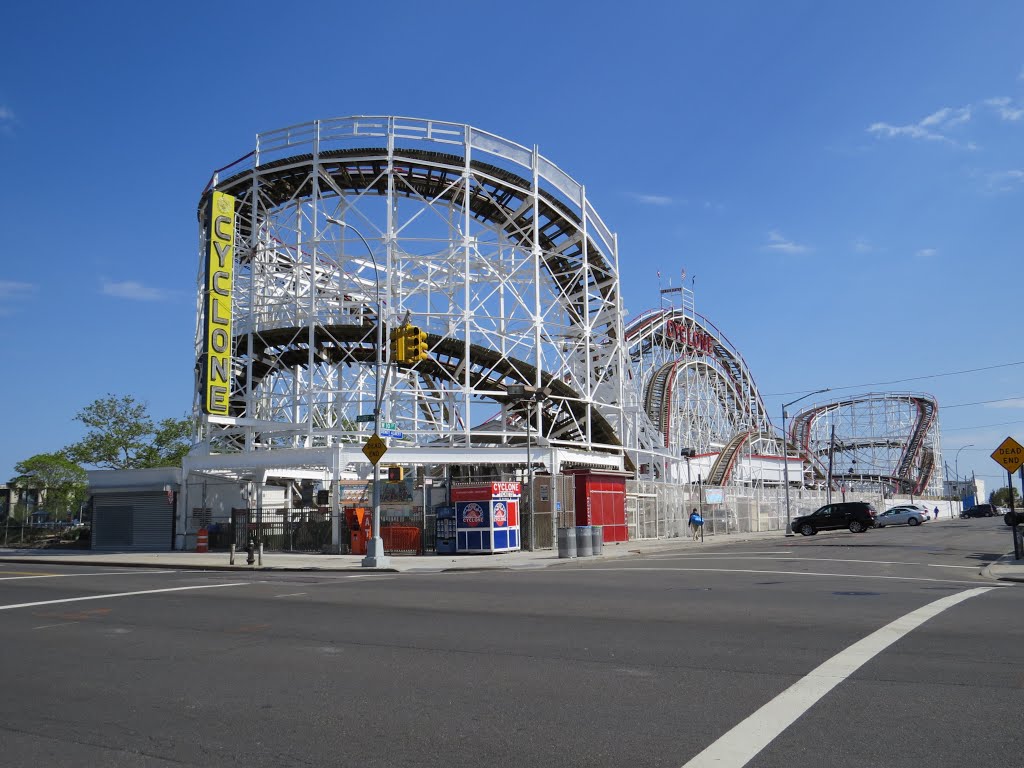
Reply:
x=280, y=530
x=660, y=510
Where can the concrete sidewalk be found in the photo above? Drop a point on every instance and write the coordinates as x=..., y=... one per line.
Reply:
x=292, y=561
x=1004, y=569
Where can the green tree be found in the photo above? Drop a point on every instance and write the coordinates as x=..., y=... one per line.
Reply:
x=121, y=435
x=62, y=482
x=1001, y=498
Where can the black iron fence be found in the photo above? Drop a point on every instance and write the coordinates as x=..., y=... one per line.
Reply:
x=279, y=530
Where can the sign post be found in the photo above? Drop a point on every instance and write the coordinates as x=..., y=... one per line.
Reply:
x=1010, y=454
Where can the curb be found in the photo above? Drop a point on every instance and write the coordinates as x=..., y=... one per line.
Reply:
x=188, y=567
x=988, y=573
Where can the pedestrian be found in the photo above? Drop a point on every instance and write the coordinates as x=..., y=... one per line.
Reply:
x=936, y=512
x=696, y=523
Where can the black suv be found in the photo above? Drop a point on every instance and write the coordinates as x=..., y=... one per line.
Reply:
x=858, y=516
x=980, y=510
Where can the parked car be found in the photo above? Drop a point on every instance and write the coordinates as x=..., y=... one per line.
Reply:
x=979, y=510
x=858, y=516
x=904, y=514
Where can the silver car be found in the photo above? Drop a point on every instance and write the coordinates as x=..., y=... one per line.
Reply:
x=904, y=514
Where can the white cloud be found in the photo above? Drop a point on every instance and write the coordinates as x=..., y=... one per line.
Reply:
x=11, y=289
x=1005, y=181
x=1012, y=403
x=129, y=289
x=6, y=121
x=932, y=127
x=863, y=245
x=653, y=199
x=1005, y=108
x=776, y=242
x=926, y=253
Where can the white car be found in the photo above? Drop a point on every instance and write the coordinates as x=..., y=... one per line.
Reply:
x=905, y=514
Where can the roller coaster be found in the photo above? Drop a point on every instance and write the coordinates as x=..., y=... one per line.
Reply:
x=499, y=256
x=887, y=439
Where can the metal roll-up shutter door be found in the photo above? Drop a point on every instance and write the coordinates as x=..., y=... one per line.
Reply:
x=140, y=520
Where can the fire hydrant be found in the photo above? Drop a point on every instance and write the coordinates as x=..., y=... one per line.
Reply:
x=250, y=550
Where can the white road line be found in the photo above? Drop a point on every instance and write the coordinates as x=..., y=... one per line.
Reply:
x=120, y=594
x=787, y=573
x=79, y=575
x=812, y=559
x=292, y=594
x=740, y=744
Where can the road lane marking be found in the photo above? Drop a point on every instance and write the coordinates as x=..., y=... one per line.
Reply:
x=809, y=559
x=292, y=594
x=741, y=743
x=788, y=573
x=120, y=594
x=29, y=575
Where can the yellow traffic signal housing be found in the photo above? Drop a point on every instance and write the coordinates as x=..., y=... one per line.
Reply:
x=415, y=345
x=397, y=344
x=408, y=345
x=395, y=474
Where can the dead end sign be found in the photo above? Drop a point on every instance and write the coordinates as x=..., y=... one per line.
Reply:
x=1010, y=454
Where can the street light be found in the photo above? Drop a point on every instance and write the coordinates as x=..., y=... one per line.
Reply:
x=530, y=395
x=785, y=450
x=956, y=471
x=375, y=557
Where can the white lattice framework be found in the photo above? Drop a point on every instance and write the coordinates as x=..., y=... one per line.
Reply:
x=483, y=243
x=698, y=396
x=882, y=440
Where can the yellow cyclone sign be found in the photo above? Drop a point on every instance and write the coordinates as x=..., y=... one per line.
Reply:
x=220, y=272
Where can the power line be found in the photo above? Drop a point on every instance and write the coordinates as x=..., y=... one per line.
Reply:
x=980, y=426
x=903, y=381
x=983, y=402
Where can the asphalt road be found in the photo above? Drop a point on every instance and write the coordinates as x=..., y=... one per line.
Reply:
x=626, y=662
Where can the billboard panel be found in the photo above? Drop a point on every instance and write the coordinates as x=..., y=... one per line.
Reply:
x=220, y=270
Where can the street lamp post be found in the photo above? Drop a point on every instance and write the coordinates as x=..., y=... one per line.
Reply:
x=375, y=557
x=530, y=396
x=785, y=450
x=956, y=471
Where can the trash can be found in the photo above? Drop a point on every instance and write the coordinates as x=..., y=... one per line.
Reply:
x=584, y=541
x=597, y=539
x=566, y=542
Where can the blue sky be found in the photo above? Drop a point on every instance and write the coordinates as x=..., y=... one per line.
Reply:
x=844, y=181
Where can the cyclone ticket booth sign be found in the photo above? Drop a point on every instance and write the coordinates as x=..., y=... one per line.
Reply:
x=487, y=517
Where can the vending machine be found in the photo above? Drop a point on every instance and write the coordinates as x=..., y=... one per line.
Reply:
x=444, y=530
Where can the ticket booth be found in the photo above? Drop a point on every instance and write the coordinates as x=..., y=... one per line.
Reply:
x=601, y=500
x=486, y=517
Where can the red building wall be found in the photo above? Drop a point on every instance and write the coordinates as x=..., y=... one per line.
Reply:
x=601, y=500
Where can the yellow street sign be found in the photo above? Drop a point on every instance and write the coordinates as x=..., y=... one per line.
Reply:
x=1010, y=454
x=374, y=448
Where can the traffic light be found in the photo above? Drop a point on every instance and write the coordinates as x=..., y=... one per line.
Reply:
x=395, y=474
x=415, y=345
x=397, y=344
x=408, y=345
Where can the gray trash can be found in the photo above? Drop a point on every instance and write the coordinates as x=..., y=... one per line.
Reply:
x=597, y=539
x=584, y=541
x=566, y=542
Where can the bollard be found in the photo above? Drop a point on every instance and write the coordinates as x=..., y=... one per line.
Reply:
x=260, y=563
x=232, y=560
